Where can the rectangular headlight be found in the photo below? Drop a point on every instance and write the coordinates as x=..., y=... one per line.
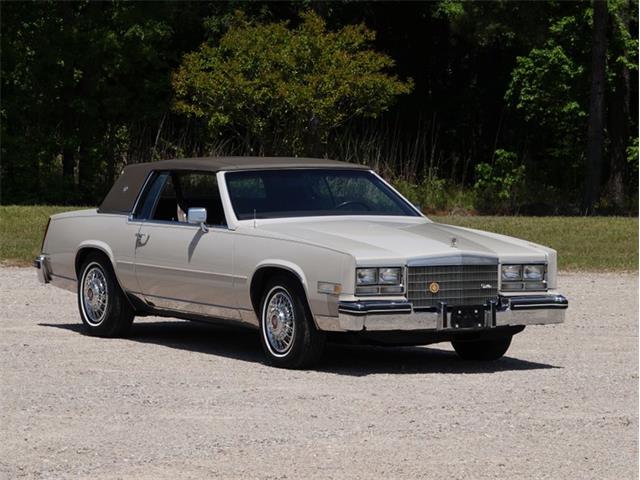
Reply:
x=389, y=276
x=366, y=276
x=511, y=273
x=533, y=273
x=379, y=281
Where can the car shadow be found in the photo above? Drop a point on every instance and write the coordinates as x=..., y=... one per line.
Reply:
x=350, y=360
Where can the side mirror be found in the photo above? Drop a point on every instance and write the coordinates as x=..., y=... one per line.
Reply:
x=198, y=216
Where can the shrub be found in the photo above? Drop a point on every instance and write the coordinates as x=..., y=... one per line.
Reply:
x=498, y=187
x=282, y=90
x=436, y=195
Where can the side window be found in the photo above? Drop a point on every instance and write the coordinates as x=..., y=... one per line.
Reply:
x=170, y=195
x=200, y=190
x=166, y=208
x=147, y=203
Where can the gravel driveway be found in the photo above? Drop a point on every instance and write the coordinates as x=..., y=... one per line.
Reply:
x=184, y=400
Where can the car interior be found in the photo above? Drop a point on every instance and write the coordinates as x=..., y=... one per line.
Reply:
x=184, y=190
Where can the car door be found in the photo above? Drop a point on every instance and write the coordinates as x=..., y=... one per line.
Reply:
x=178, y=265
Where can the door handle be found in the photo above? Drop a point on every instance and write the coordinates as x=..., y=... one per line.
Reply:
x=141, y=239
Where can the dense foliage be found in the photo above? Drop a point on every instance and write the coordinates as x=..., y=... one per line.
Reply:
x=284, y=90
x=494, y=106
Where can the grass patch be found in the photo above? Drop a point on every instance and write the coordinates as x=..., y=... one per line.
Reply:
x=21, y=231
x=583, y=243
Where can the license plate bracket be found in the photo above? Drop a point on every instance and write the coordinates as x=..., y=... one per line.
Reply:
x=467, y=317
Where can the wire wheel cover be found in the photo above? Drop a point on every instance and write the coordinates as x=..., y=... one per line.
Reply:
x=95, y=295
x=279, y=322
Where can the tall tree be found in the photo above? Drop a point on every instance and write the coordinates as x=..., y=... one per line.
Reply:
x=595, y=132
x=619, y=101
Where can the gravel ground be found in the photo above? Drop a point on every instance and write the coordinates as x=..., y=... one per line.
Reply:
x=184, y=400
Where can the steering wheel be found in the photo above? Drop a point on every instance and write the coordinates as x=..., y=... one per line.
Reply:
x=352, y=202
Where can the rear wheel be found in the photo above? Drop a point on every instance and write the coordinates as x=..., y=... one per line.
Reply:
x=483, y=350
x=287, y=332
x=104, y=309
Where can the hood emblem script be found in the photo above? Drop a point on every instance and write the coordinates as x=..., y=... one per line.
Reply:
x=454, y=242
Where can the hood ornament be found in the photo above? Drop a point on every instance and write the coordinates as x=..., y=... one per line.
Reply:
x=454, y=242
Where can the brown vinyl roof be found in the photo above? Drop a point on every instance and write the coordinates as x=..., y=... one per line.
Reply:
x=122, y=196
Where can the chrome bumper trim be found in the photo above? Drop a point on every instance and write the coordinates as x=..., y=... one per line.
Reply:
x=40, y=263
x=397, y=315
x=534, y=302
x=369, y=307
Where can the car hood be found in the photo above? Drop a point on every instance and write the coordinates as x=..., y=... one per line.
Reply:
x=400, y=240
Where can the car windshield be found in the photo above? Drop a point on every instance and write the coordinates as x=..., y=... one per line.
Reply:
x=312, y=192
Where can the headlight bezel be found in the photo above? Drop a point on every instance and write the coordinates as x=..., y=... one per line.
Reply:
x=383, y=284
x=525, y=281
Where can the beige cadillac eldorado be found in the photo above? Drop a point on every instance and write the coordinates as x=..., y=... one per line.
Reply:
x=301, y=250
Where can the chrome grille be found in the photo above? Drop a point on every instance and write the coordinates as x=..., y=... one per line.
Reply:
x=459, y=285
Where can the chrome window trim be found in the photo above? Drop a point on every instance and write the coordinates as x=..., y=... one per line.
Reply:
x=182, y=224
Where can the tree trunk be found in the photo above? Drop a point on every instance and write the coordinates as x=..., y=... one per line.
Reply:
x=618, y=121
x=68, y=127
x=68, y=162
x=595, y=133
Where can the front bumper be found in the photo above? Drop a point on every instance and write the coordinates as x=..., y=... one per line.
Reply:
x=386, y=315
x=40, y=263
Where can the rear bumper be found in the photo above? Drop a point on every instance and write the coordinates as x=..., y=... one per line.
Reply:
x=42, y=267
x=384, y=315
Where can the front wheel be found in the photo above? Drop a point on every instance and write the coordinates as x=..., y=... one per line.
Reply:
x=483, y=350
x=287, y=332
x=104, y=309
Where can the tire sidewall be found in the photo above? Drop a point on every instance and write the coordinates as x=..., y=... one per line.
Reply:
x=308, y=343
x=118, y=316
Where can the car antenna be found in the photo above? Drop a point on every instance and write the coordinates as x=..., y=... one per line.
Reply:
x=254, y=218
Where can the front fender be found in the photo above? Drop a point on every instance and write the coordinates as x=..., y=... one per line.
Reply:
x=284, y=264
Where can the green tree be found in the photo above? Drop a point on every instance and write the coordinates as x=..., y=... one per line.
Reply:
x=499, y=187
x=574, y=93
x=549, y=90
x=282, y=90
x=80, y=81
